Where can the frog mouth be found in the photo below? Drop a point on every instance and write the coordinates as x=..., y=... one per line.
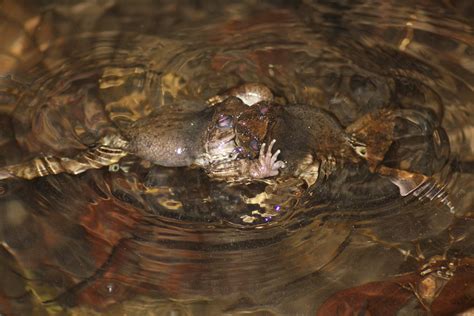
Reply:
x=219, y=138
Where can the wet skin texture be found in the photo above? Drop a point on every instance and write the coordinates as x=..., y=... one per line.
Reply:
x=314, y=144
x=311, y=140
x=180, y=139
x=206, y=139
x=229, y=141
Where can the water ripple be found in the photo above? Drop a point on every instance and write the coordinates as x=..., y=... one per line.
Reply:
x=170, y=240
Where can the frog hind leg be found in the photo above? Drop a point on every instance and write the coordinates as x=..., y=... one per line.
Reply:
x=419, y=185
x=372, y=136
x=406, y=181
x=94, y=158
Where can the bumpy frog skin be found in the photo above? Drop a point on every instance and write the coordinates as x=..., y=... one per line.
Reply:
x=229, y=139
x=313, y=143
x=206, y=139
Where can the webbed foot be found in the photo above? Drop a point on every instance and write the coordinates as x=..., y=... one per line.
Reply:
x=267, y=164
x=421, y=186
x=4, y=174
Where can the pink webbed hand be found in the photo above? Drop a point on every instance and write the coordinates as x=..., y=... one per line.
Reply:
x=267, y=164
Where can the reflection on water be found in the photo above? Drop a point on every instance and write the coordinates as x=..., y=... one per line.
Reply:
x=171, y=241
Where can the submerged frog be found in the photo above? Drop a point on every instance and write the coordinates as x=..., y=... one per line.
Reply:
x=229, y=139
x=314, y=144
x=206, y=139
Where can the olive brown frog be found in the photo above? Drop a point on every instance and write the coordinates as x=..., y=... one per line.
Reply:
x=314, y=143
x=228, y=140
x=206, y=139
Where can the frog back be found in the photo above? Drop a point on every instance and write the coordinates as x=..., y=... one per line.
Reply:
x=171, y=139
x=304, y=131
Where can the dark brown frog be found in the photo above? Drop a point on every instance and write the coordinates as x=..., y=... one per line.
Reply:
x=314, y=144
x=229, y=141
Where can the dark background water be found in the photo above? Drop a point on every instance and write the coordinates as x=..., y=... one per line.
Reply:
x=147, y=239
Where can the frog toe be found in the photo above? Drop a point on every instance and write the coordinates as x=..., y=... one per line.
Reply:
x=4, y=174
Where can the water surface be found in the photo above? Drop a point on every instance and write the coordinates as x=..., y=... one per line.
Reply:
x=138, y=238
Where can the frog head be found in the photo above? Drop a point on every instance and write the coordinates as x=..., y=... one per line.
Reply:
x=251, y=128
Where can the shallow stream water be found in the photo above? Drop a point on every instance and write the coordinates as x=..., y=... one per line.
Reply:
x=138, y=239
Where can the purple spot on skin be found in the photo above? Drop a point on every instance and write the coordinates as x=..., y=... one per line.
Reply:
x=254, y=144
x=264, y=110
x=225, y=121
x=277, y=208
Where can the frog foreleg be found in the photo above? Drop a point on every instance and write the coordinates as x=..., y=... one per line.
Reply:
x=94, y=158
x=266, y=165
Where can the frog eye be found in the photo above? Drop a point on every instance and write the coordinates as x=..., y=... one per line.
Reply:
x=224, y=121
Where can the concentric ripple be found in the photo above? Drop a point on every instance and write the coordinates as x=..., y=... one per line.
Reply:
x=138, y=238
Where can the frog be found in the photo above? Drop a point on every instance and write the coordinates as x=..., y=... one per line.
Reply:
x=229, y=141
x=314, y=144
x=205, y=139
